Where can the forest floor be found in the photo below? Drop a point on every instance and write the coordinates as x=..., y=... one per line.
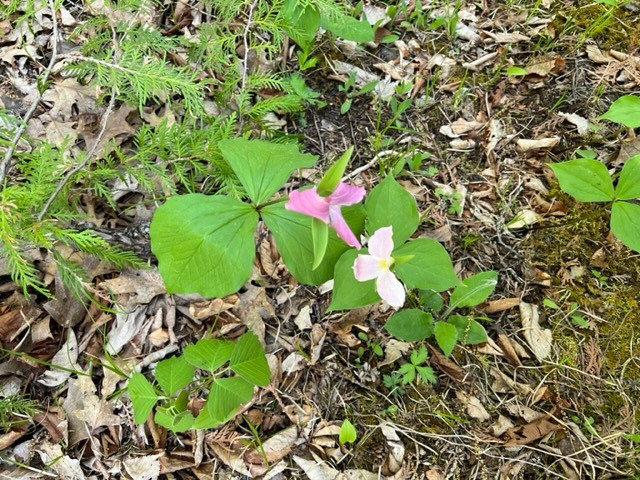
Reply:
x=495, y=96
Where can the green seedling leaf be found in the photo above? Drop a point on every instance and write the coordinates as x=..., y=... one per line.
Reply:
x=516, y=71
x=173, y=420
x=410, y=325
x=348, y=433
x=625, y=224
x=408, y=372
x=143, y=397
x=204, y=244
x=304, y=20
x=625, y=111
x=474, y=290
x=628, y=187
x=470, y=332
x=320, y=240
x=263, y=167
x=585, y=179
x=331, y=178
x=446, y=335
x=347, y=27
x=579, y=321
x=173, y=374
x=426, y=374
x=547, y=302
x=587, y=154
x=248, y=360
x=292, y=232
x=347, y=291
x=419, y=356
x=226, y=395
x=429, y=269
x=209, y=354
x=388, y=204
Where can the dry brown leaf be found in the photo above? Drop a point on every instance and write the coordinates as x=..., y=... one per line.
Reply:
x=136, y=287
x=144, y=467
x=525, y=145
x=473, y=406
x=253, y=308
x=68, y=92
x=501, y=305
x=394, y=350
x=445, y=365
x=65, y=358
x=539, y=339
x=532, y=431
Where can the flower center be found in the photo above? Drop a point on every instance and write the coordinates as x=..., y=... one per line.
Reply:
x=385, y=263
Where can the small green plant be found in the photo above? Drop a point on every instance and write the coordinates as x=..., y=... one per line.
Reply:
x=448, y=329
x=176, y=382
x=587, y=180
x=376, y=348
x=415, y=370
x=15, y=410
x=348, y=433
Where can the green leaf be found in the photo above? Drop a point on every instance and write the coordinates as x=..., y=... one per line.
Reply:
x=331, y=178
x=143, y=397
x=446, y=335
x=625, y=110
x=625, y=224
x=204, y=420
x=470, y=332
x=349, y=28
x=430, y=300
x=173, y=374
x=208, y=353
x=629, y=183
x=474, y=290
x=263, y=167
x=292, y=232
x=426, y=374
x=410, y=325
x=430, y=268
x=304, y=20
x=418, y=356
x=204, y=244
x=320, y=240
x=516, y=71
x=388, y=204
x=226, y=395
x=175, y=421
x=348, y=433
x=408, y=372
x=585, y=179
x=248, y=360
x=347, y=291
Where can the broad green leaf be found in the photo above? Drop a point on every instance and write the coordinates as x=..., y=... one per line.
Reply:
x=263, y=167
x=625, y=110
x=347, y=291
x=173, y=420
x=204, y=420
x=320, y=240
x=474, y=290
x=331, y=178
x=248, y=360
x=625, y=224
x=226, y=395
x=430, y=300
x=446, y=335
x=585, y=179
x=348, y=433
x=516, y=71
x=390, y=204
x=470, y=332
x=305, y=22
x=349, y=28
x=292, y=232
x=143, y=397
x=410, y=325
x=429, y=268
x=629, y=183
x=173, y=374
x=204, y=244
x=208, y=353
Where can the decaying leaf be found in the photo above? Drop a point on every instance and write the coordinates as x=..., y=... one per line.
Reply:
x=473, y=406
x=65, y=359
x=532, y=431
x=539, y=339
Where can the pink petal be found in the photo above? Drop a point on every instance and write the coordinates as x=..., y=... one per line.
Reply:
x=390, y=289
x=308, y=202
x=381, y=242
x=366, y=267
x=346, y=194
x=342, y=229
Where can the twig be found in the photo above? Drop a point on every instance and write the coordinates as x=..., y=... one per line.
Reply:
x=359, y=170
x=81, y=165
x=245, y=60
x=5, y=164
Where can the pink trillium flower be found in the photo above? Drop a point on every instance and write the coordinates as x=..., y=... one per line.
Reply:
x=378, y=265
x=328, y=209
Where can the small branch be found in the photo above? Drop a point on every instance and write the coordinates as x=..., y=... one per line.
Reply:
x=5, y=164
x=81, y=165
x=245, y=60
x=359, y=170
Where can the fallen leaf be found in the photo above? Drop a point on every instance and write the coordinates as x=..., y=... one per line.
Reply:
x=303, y=319
x=136, y=287
x=525, y=145
x=539, y=339
x=145, y=467
x=66, y=467
x=530, y=432
x=501, y=305
x=65, y=358
x=473, y=406
x=581, y=123
x=125, y=328
x=394, y=350
x=66, y=94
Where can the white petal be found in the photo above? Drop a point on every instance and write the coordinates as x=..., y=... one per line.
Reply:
x=390, y=289
x=381, y=242
x=366, y=267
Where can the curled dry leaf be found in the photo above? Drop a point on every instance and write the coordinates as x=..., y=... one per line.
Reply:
x=526, y=145
x=539, y=339
x=532, y=431
x=473, y=406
